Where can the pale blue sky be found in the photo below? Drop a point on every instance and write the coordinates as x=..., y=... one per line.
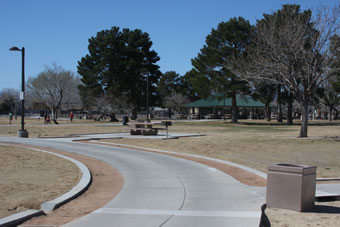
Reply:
x=57, y=31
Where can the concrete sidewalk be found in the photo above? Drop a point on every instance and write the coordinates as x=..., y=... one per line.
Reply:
x=118, y=135
x=162, y=190
x=322, y=190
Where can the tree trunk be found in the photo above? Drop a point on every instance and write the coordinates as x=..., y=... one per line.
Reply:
x=101, y=116
x=169, y=113
x=113, y=117
x=279, y=105
x=336, y=115
x=234, y=109
x=290, y=113
x=330, y=113
x=304, y=115
x=133, y=114
x=267, y=111
x=53, y=113
x=15, y=113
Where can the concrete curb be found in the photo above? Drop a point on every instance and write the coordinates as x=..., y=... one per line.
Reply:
x=49, y=206
x=82, y=185
x=16, y=219
x=327, y=179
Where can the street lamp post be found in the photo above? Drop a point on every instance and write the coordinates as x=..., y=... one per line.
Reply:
x=147, y=99
x=22, y=133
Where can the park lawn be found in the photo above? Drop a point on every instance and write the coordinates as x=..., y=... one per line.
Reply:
x=29, y=178
x=4, y=120
x=256, y=144
x=253, y=143
x=37, y=128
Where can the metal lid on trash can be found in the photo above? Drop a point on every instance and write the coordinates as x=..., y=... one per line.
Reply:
x=292, y=168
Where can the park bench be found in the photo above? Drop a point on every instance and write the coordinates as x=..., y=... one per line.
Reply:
x=273, y=116
x=180, y=116
x=227, y=116
x=210, y=116
x=194, y=116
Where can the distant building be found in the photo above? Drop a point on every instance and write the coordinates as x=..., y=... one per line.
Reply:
x=215, y=106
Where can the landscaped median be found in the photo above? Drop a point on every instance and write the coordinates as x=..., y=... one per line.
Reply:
x=35, y=181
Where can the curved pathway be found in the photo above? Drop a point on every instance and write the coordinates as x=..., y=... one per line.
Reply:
x=161, y=190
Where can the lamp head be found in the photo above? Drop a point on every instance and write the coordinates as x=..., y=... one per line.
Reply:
x=14, y=49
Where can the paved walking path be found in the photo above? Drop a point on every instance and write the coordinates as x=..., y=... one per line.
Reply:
x=161, y=190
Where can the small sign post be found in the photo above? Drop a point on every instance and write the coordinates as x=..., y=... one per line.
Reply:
x=22, y=95
x=166, y=124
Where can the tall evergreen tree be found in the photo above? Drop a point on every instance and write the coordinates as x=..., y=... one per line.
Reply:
x=168, y=83
x=121, y=64
x=186, y=87
x=211, y=65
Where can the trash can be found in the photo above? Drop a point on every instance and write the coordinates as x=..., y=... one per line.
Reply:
x=125, y=120
x=291, y=186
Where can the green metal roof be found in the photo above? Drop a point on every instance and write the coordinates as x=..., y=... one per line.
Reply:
x=241, y=100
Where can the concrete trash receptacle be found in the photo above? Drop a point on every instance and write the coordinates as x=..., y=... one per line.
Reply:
x=125, y=120
x=291, y=186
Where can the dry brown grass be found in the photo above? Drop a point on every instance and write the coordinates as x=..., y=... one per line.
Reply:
x=250, y=143
x=37, y=128
x=256, y=146
x=29, y=178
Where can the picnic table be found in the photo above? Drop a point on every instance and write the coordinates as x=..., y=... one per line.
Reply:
x=227, y=116
x=210, y=116
x=147, y=128
x=194, y=116
x=142, y=128
x=180, y=116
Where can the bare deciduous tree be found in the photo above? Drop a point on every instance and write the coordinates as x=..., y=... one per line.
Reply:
x=109, y=105
x=9, y=97
x=293, y=49
x=329, y=97
x=175, y=101
x=52, y=87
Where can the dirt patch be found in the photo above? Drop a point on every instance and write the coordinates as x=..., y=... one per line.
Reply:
x=106, y=184
x=324, y=214
x=29, y=178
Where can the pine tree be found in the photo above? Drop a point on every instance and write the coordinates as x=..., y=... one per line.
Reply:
x=121, y=65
